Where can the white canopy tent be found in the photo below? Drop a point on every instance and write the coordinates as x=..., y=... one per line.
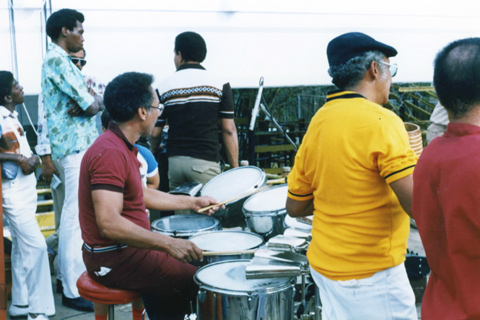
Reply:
x=283, y=41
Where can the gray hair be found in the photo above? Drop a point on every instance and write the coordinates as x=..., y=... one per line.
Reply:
x=349, y=74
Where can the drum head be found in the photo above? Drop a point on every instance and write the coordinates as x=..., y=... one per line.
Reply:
x=227, y=240
x=295, y=224
x=231, y=276
x=271, y=200
x=234, y=182
x=185, y=225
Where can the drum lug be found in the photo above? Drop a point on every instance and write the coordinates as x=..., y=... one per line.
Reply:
x=249, y=302
x=201, y=295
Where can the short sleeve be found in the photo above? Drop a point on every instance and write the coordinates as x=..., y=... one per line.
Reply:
x=226, y=103
x=108, y=168
x=299, y=185
x=395, y=158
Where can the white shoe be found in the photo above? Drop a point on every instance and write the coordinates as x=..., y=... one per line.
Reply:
x=39, y=317
x=15, y=311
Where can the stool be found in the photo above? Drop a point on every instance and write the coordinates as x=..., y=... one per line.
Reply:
x=97, y=293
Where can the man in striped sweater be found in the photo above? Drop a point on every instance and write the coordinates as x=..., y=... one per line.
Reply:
x=195, y=100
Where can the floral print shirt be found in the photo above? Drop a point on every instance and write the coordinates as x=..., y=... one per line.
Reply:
x=63, y=86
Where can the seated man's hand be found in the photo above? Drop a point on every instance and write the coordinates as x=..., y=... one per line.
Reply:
x=206, y=205
x=184, y=250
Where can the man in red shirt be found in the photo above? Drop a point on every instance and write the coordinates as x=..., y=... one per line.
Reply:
x=119, y=248
x=446, y=204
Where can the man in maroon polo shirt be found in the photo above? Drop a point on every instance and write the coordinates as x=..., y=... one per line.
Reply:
x=446, y=188
x=120, y=250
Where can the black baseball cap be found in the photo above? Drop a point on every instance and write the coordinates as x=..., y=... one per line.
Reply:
x=353, y=44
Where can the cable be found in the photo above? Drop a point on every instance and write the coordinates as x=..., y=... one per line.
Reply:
x=29, y=119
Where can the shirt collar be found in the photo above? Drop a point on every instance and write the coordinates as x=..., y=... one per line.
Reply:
x=116, y=130
x=191, y=66
x=461, y=129
x=4, y=112
x=53, y=47
x=341, y=94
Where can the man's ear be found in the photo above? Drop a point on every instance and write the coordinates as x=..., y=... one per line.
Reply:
x=142, y=113
x=65, y=31
x=8, y=99
x=374, y=70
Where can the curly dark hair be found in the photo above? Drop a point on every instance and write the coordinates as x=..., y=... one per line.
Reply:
x=63, y=18
x=192, y=46
x=456, y=76
x=126, y=93
x=6, y=83
x=349, y=74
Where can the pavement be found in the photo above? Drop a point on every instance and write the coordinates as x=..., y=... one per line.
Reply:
x=122, y=312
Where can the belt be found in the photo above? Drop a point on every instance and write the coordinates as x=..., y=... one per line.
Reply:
x=98, y=249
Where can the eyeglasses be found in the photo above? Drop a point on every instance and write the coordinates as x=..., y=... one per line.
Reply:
x=83, y=62
x=392, y=67
x=160, y=109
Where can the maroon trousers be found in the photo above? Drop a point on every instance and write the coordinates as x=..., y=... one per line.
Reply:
x=151, y=273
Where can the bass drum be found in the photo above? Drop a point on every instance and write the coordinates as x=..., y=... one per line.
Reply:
x=226, y=294
x=186, y=225
x=232, y=184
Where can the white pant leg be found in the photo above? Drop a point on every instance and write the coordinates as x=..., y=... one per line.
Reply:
x=19, y=206
x=19, y=285
x=70, y=237
x=386, y=295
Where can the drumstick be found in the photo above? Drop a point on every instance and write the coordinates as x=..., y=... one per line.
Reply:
x=227, y=253
x=232, y=199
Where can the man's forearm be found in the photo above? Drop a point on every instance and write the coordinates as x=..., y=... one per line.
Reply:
x=231, y=148
x=96, y=107
x=158, y=200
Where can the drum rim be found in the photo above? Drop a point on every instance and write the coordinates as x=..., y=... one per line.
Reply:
x=264, y=213
x=230, y=231
x=261, y=182
x=290, y=282
x=188, y=232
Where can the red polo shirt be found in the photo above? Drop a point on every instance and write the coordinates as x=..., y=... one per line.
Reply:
x=446, y=207
x=110, y=164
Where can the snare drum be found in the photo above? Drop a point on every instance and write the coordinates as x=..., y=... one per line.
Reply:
x=225, y=293
x=227, y=241
x=231, y=184
x=185, y=226
x=265, y=211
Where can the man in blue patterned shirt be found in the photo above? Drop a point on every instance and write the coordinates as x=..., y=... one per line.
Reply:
x=70, y=111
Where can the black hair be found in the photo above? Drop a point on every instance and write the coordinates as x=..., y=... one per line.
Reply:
x=456, y=76
x=6, y=83
x=63, y=18
x=105, y=118
x=126, y=93
x=192, y=46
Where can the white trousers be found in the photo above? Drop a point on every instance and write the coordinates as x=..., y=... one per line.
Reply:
x=386, y=295
x=31, y=283
x=70, y=236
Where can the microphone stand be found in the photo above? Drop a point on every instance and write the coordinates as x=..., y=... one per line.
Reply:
x=264, y=109
x=251, y=130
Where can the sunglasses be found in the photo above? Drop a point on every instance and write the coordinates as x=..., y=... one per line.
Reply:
x=83, y=62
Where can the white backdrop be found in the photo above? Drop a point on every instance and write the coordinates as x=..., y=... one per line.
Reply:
x=283, y=41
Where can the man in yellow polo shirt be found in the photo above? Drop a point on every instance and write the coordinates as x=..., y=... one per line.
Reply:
x=353, y=172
